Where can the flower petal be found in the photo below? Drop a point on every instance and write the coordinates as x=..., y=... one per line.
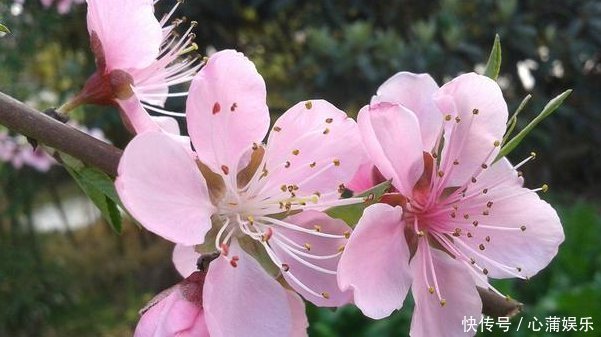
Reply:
x=457, y=288
x=134, y=116
x=520, y=234
x=244, y=301
x=161, y=187
x=299, y=317
x=375, y=262
x=392, y=139
x=315, y=146
x=478, y=119
x=415, y=92
x=184, y=259
x=363, y=179
x=108, y=19
x=318, y=281
x=226, y=110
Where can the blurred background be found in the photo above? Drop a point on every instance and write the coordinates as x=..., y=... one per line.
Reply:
x=65, y=272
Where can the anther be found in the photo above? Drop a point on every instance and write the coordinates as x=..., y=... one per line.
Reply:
x=496, y=143
x=489, y=204
x=341, y=249
x=457, y=119
x=475, y=111
x=519, y=269
x=312, y=165
x=233, y=107
x=307, y=246
x=487, y=238
x=523, y=228
x=469, y=235
x=308, y=104
x=475, y=223
x=484, y=166
x=295, y=152
x=317, y=228
x=325, y=295
x=336, y=162
x=440, y=174
x=453, y=215
x=267, y=235
x=277, y=129
x=193, y=24
x=234, y=261
x=466, y=216
x=486, y=212
x=443, y=302
x=447, y=118
x=420, y=233
x=216, y=108
x=472, y=260
x=225, y=169
x=474, y=180
x=251, y=219
x=544, y=188
x=456, y=162
x=255, y=147
x=329, y=120
x=457, y=232
x=484, y=271
x=341, y=188
x=431, y=290
x=283, y=188
x=482, y=247
x=347, y=234
x=287, y=164
x=326, y=131
x=285, y=267
x=484, y=191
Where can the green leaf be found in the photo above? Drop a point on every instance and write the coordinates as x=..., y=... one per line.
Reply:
x=493, y=66
x=4, y=29
x=514, y=118
x=547, y=110
x=99, y=187
x=351, y=213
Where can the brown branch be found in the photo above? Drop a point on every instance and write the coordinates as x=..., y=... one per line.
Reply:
x=64, y=138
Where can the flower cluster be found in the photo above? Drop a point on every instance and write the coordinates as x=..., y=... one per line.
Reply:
x=246, y=200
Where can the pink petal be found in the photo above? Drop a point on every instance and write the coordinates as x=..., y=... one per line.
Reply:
x=244, y=301
x=457, y=288
x=299, y=318
x=167, y=124
x=315, y=280
x=375, y=262
x=161, y=187
x=470, y=141
x=392, y=139
x=415, y=92
x=363, y=178
x=315, y=146
x=226, y=110
x=135, y=117
x=509, y=251
x=139, y=47
x=184, y=259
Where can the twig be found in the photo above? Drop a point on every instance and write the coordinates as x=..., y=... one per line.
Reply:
x=64, y=138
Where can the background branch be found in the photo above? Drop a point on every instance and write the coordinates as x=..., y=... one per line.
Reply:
x=27, y=121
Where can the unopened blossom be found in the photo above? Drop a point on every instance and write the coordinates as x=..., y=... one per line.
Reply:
x=259, y=206
x=137, y=58
x=17, y=151
x=459, y=217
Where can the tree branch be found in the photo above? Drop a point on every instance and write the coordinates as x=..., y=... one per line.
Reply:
x=64, y=138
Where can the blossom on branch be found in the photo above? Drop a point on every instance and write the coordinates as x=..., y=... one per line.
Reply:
x=259, y=206
x=138, y=58
x=459, y=217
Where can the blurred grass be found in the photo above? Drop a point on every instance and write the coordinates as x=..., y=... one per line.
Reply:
x=95, y=287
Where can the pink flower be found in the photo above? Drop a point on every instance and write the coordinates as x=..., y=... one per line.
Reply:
x=137, y=60
x=461, y=217
x=260, y=204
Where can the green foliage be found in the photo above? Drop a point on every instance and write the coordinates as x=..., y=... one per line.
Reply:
x=99, y=187
x=4, y=29
x=553, y=105
x=351, y=213
x=493, y=66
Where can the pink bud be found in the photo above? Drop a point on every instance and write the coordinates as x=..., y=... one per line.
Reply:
x=176, y=311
